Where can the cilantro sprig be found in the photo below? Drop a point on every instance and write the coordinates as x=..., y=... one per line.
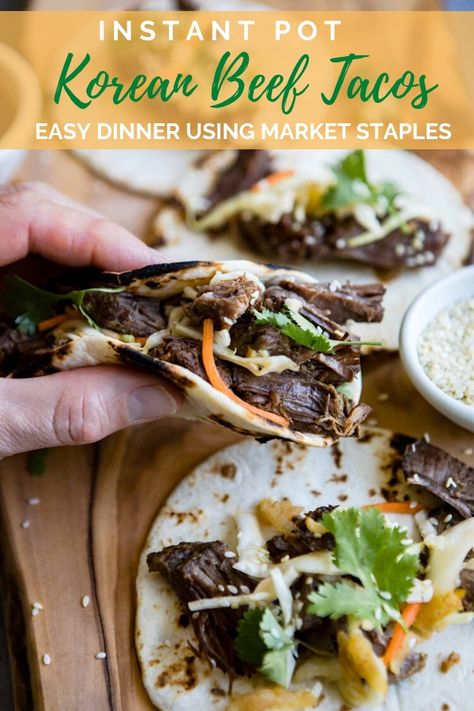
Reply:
x=299, y=329
x=264, y=643
x=376, y=555
x=353, y=187
x=28, y=305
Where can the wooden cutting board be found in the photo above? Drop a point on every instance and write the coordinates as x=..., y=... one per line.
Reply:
x=86, y=533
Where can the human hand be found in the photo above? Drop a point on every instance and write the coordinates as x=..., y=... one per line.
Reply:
x=85, y=405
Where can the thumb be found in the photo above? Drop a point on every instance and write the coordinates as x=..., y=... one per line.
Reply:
x=79, y=407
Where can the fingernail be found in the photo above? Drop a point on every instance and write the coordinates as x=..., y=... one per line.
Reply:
x=149, y=403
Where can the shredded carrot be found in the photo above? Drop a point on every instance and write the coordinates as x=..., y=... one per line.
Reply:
x=217, y=382
x=409, y=614
x=141, y=340
x=53, y=322
x=396, y=507
x=272, y=179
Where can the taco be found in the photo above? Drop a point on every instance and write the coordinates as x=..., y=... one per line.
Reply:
x=279, y=577
x=257, y=348
x=383, y=214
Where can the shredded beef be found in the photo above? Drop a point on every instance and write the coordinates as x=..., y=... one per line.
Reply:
x=327, y=237
x=16, y=348
x=467, y=584
x=300, y=540
x=248, y=168
x=443, y=475
x=412, y=664
x=311, y=405
x=197, y=571
x=224, y=302
x=359, y=302
x=124, y=312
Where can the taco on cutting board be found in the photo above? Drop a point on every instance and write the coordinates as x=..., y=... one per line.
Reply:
x=357, y=216
x=280, y=577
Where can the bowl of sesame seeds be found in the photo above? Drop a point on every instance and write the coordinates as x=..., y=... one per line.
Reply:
x=437, y=346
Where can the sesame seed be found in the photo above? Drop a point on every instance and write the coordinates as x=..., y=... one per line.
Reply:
x=450, y=483
x=33, y=502
x=46, y=660
x=434, y=521
x=221, y=588
x=35, y=612
x=427, y=438
x=383, y=397
x=299, y=623
x=413, y=504
x=244, y=589
x=385, y=595
x=25, y=523
x=103, y=655
x=85, y=601
x=445, y=350
x=448, y=518
x=195, y=615
x=38, y=606
x=232, y=589
x=229, y=554
x=309, y=580
x=416, y=477
x=468, y=451
x=239, y=535
x=340, y=243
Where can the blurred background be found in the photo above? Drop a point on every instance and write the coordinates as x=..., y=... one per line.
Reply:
x=286, y=4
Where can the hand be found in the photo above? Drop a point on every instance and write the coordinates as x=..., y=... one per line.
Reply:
x=85, y=405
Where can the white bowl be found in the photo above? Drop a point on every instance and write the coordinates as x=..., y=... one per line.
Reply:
x=21, y=106
x=455, y=287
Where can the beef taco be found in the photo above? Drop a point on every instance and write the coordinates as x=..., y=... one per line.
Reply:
x=260, y=349
x=385, y=214
x=279, y=577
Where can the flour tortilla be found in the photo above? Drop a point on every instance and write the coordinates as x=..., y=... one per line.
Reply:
x=203, y=401
x=415, y=177
x=246, y=473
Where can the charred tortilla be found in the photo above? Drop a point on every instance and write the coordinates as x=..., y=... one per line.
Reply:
x=199, y=548
x=243, y=204
x=260, y=349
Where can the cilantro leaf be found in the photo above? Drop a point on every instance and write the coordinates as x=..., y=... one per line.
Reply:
x=262, y=642
x=278, y=665
x=353, y=187
x=248, y=644
x=353, y=166
x=342, y=599
x=28, y=305
x=299, y=329
x=376, y=555
x=272, y=633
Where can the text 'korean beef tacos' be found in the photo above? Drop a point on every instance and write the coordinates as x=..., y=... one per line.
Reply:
x=259, y=349
x=356, y=215
x=279, y=577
